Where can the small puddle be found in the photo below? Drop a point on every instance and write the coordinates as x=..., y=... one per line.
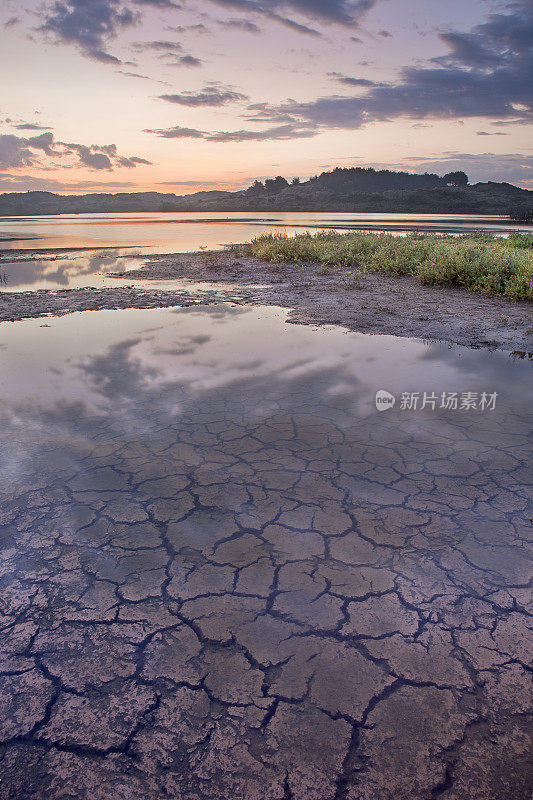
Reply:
x=66, y=271
x=89, y=271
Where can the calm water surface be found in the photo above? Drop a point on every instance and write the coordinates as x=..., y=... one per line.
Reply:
x=116, y=242
x=188, y=231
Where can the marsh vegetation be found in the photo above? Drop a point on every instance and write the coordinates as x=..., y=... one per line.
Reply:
x=477, y=262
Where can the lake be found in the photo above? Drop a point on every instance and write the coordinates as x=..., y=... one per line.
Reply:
x=189, y=231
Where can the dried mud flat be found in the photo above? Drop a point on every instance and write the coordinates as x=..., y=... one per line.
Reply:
x=284, y=605
x=263, y=606
x=372, y=304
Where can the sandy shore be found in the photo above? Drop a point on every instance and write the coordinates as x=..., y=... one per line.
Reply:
x=374, y=303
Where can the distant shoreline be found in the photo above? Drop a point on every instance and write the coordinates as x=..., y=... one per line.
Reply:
x=342, y=190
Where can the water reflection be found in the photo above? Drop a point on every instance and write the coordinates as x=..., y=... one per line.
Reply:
x=90, y=271
x=143, y=356
x=216, y=551
x=59, y=272
x=188, y=231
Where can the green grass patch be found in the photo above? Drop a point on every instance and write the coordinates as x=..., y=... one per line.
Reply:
x=478, y=262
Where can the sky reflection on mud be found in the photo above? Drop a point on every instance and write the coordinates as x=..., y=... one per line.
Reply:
x=222, y=567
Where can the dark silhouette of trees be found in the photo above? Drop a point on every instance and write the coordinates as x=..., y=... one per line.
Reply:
x=455, y=179
x=256, y=190
x=276, y=185
x=367, y=179
x=346, y=181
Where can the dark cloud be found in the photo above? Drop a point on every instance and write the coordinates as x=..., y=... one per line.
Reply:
x=240, y=24
x=157, y=3
x=495, y=43
x=348, y=81
x=92, y=158
x=199, y=27
x=160, y=46
x=385, y=34
x=278, y=133
x=515, y=121
x=169, y=52
x=12, y=21
x=132, y=162
x=31, y=126
x=213, y=95
x=188, y=61
x=343, y=12
x=262, y=112
x=491, y=133
x=92, y=24
x=176, y=133
x=89, y=24
x=486, y=74
x=295, y=26
x=133, y=75
x=17, y=152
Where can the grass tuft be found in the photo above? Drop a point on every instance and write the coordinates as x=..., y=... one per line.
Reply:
x=478, y=262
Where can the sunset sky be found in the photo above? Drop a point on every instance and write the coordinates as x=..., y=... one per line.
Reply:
x=187, y=95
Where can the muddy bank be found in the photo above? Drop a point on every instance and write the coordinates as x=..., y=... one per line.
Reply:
x=23, y=305
x=370, y=303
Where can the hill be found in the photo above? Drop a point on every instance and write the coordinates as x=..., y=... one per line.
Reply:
x=354, y=189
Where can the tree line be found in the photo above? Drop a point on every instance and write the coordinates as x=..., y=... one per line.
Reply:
x=367, y=179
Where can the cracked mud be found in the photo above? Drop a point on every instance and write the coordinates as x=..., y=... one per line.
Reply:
x=225, y=575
